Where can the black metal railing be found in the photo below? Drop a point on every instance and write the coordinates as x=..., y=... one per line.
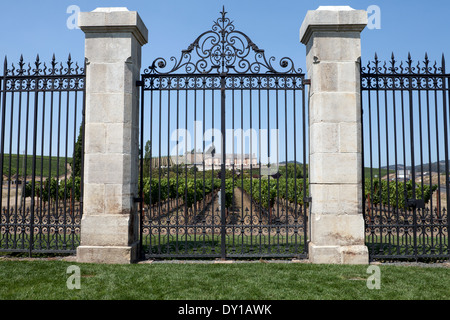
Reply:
x=41, y=161
x=405, y=117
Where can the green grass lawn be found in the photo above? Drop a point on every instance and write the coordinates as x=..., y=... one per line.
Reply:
x=46, y=280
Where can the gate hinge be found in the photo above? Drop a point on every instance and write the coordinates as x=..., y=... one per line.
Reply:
x=306, y=81
x=139, y=83
x=138, y=200
x=307, y=199
x=415, y=203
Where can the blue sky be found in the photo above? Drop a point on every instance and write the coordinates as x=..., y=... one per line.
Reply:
x=40, y=27
x=30, y=27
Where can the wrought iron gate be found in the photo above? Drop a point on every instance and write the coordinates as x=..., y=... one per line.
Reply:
x=223, y=152
x=406, y=158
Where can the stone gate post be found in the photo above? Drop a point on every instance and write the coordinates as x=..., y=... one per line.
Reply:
x=109, y=227
x=333, y=47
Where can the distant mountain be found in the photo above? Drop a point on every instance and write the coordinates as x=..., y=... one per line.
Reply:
x=438, y=166
x=292, y=161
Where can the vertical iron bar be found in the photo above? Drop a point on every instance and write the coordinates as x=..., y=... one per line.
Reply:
x=57, y=160
x=50, y=160
x=42, y=172
x=10, y=176
x=371, y=193
x=380, y=184
x=422, y=210
x=405, y=195
x=2, y=140
x=269, y=193
x=413, y=170
x=232, y=170
x=65, y=168
x=304, y=180
x=242, y=166
x=33, y=178
x=150, y=206
x=251, y=165
x=387, y=166
x=141, y=173
x=295, y=164
x=187, y=153
x=261, y=206
x=73, y=192
x=396, y=169
x=195, y=163
x=169, y=213
x=223, y=186
x=177, y=164
x=278, y=169
x=159, y=170
x=446, y=146
x=203, y=164
x=18, y=169
x=286, y=159
x=83, y=132
x=438, y=200
x=427, y=89
x=213, y=225
x=150, y=202
x=26, y=159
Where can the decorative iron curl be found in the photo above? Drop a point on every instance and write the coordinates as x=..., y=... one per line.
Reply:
x=222, y=50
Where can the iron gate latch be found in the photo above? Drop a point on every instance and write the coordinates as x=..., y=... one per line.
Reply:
x=415, y=203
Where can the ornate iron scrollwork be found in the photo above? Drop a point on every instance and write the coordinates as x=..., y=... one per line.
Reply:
x=223, y=50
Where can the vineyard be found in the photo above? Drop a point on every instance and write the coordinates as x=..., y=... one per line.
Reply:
x=191, y=193
x=390, y=193
x=261, y=215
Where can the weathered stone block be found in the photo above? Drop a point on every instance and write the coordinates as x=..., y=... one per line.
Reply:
x=324, y=137
x=108, y=254
x=335, y=168
x=336, y=198
x=335, y=107
x=350, y=137
x=337, y=229
x=335, y=76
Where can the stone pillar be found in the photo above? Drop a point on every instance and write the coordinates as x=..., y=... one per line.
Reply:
x=333, y=46
x=109, y=227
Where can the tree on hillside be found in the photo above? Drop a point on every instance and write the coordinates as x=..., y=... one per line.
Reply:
x=77, y=154
x=147, y=158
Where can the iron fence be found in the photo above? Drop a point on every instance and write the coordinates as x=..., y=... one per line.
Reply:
x=405, y=117
x=41, y=161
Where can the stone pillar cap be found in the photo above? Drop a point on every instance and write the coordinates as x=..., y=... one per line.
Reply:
x=114, y=20
x=110, y=9
x=332, y=18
